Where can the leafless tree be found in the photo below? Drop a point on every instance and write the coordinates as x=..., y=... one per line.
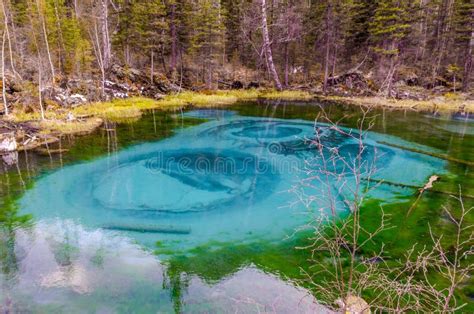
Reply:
x=267, y=46
x=41, y=18
x=4, y=94
x=342, y=271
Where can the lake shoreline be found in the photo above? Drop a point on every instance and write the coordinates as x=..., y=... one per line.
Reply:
x=32, y=132
x=434, y=105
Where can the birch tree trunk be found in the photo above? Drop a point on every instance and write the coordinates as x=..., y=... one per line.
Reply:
x=76, y=10
x=174, y=38
x=267, y=47
x=7, y=30
x=329, y=38
x=287, y=65
x=468, y=59
x=40, y=87
x=106, y=44
x=4, y=94
x=46, y=42
x=152, y=67
x=98, y=54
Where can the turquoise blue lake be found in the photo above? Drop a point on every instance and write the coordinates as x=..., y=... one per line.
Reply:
x=200, y=211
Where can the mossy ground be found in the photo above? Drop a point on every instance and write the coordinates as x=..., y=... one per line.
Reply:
x=120, y=109
x=448, y=103
x=131, y=109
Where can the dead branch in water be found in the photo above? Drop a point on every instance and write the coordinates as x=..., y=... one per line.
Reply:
x=427, y=186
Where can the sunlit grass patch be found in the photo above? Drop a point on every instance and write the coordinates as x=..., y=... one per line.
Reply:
x=116, y=109
x=69, y=127
x=20, y=116
x=254, y=94
x=287, y=95
x=130, y=109
x=197, y=99
x=452, y=104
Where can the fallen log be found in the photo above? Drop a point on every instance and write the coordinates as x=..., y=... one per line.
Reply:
x=148, y=228
x=409, y=186
x=437, y=155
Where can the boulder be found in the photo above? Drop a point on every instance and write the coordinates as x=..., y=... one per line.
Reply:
x=403, y=91
x=136, y=82
x=117, y=90
x=8, y=143
x=351, y=80
x=10, y=159
x=64, y=96
x=76, y=99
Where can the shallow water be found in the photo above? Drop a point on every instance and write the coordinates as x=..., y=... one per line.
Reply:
x=131, y=218
x=225, y=180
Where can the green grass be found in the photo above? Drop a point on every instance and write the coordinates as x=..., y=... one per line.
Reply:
x=448, y=103
x=121, y=110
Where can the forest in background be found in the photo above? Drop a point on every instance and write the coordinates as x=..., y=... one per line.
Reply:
x=209, y=44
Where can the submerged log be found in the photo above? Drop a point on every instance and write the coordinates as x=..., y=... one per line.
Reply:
x=45, y=151
x=409, y=186
x=148, y=228
x=433, y=154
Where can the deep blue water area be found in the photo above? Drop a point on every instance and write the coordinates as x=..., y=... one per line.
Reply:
x=229, y=179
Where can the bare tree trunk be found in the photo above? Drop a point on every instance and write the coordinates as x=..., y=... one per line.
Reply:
x=7, y=30
x=40, y=87
x=267, y=47
x=4, y=94
x=106, y=44
x=329, y=31
x=174, y=38
x=423, y=29
x=152, y=68
x=98, y=54
x=442, y=28
x=15, y=39
x=45, y=35
x=287, y=60
x=61, y=40
x=76, y=11
x=468, y=61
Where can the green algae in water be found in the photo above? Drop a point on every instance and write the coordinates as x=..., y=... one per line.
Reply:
x=227, y=179
x=192, y=272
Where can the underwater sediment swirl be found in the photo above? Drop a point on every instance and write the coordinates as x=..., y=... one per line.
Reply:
x=225, y=180
x=199, y=180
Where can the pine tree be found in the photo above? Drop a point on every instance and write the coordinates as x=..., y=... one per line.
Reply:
x=72, y=51
x=389, y=27
x=361, y=13
x=207, y=37
x=464, y=38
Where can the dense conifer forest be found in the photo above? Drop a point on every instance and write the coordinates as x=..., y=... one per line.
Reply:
x=223, y=156
x=209, y=44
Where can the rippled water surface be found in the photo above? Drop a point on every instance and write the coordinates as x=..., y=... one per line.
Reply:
x=146, y=216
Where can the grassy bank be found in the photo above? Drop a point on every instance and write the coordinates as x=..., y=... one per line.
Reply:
x=447, y=103
x=88, y=116
x=132, y=108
